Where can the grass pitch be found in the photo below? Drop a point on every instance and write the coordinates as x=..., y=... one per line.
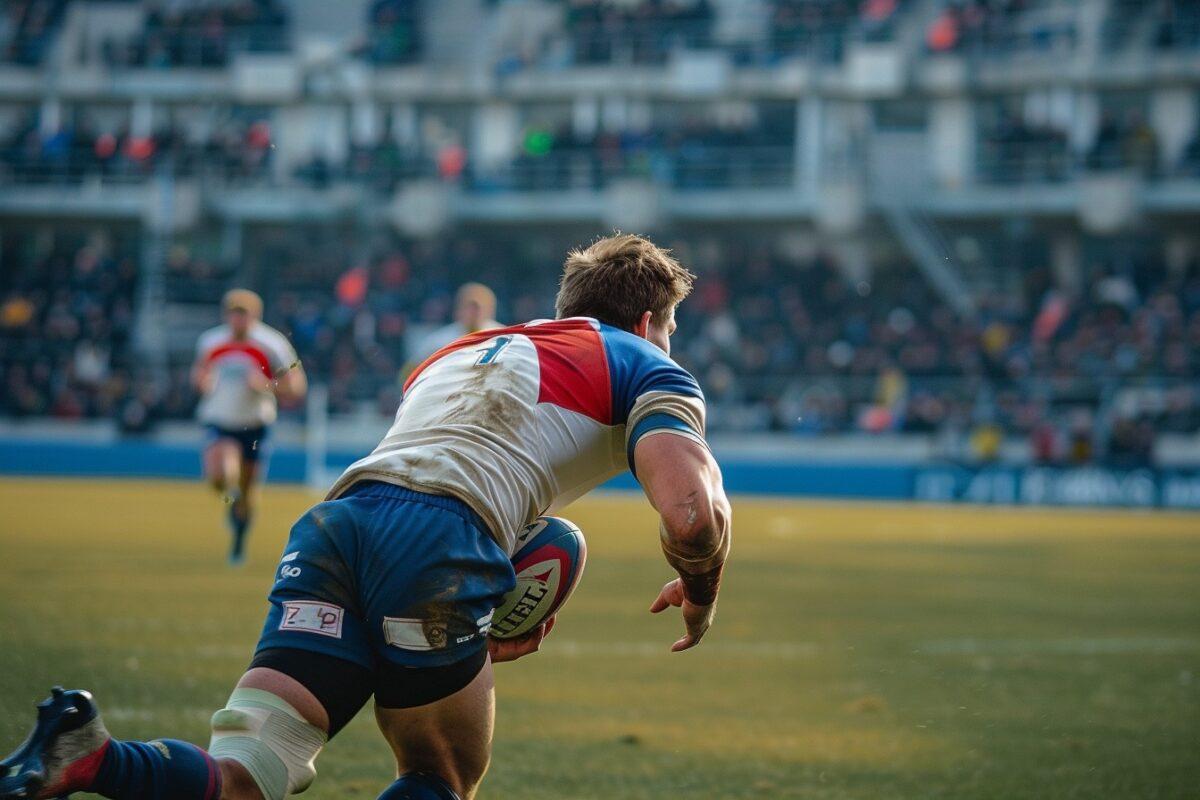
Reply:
x=859, y=652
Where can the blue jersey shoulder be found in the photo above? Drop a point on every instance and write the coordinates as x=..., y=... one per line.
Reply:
x=636, y=366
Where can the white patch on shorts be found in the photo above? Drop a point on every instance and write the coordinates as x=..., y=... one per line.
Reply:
x=312, y=617
x=413, y=634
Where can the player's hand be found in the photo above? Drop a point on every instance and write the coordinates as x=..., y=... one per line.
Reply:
x=258, y=381
x=696, y=619
x=512, y=649
x=205, y=381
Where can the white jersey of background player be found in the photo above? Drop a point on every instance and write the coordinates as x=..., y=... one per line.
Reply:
x=240, y=368
x=474, y=310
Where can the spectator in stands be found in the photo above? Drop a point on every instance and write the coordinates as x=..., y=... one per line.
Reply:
x=1122, y=143
x=394, y=31
x=27, y=28
x=200, y=33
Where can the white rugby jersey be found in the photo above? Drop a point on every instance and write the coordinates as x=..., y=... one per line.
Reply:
x=517, y=422
x=232, y=403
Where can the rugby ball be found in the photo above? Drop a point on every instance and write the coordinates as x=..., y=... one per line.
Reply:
x=549, y=561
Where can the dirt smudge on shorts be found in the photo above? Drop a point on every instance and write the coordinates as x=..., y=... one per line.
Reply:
x=443, y=616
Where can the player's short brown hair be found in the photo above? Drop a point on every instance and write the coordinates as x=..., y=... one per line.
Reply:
x=618, y=278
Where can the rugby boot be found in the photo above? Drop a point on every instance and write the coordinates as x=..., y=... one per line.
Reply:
x=62, y=754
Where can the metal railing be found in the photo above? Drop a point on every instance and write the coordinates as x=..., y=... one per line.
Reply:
x=1041, y=162
x=686, y=167
x=689, y=167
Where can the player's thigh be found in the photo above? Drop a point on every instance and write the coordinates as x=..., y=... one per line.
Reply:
x=219, y=451
x=451, y=737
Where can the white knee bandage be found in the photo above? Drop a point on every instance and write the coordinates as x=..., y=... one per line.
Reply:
x=270, y=739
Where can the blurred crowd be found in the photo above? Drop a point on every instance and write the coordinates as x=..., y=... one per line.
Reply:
x=394, y=32
x=1106, y=367
x=1016, y=151
x=561, y=33
x=755, y=150
x=787, y=342
x=235, y=149
x=647, y=32
x=1176, y=23
x=1001, y=26
x=27, y=29
x=643, y=32
x=66, y=318
x=686, y=149
x=200, y=33
x=1004, y=27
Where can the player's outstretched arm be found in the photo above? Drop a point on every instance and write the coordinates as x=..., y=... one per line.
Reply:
x=683, y=483
x=292, y=385
x=201, y=376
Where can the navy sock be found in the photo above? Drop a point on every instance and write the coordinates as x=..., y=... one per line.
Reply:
x=238, y=526
x=419, y=786
x=165, y=769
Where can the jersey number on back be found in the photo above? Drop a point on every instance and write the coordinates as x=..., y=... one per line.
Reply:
x=490, y=354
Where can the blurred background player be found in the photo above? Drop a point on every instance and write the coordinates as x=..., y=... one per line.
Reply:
x=474, y=311
x=242, y=367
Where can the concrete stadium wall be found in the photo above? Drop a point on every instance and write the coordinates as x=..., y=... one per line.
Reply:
x=777, y=475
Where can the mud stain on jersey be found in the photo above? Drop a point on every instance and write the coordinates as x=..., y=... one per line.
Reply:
x=485, y=401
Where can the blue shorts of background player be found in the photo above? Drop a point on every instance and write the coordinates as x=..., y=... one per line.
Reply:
x=384, y=591
x=252, y=441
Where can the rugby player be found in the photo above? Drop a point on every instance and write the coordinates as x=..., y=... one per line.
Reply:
x=474, y=311
x=387, y=588
x=241, y=368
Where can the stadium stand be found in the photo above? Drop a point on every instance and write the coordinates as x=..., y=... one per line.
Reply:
x=906, y=219
x=788, y=344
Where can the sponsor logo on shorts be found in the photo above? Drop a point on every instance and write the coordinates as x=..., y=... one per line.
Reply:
x=292, y=556
x=414, y=634
x=311, y=617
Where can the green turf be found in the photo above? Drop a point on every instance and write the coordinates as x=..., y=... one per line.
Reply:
x=860, y=652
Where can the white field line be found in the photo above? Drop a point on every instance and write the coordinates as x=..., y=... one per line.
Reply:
x=123, y=714
x=574, y=648
x=571, y=648
x=1145, y=645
